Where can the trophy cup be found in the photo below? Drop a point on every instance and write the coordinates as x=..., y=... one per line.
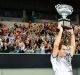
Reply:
x=64, y=10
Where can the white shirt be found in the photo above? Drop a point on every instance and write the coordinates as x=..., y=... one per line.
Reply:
x=62, y=65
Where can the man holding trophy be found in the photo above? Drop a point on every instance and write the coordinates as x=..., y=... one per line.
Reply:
x=62, y=54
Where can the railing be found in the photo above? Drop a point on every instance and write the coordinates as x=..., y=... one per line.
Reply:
x=11, y=19
x=23, y=60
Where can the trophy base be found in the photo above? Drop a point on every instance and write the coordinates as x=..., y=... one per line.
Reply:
x=66, y=27
x=65, y=23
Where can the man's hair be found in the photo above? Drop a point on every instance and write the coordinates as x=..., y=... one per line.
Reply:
x=62, y=43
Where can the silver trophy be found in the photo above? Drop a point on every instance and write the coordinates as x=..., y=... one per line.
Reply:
x=64, y=10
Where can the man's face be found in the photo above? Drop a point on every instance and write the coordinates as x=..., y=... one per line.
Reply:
x=63, y=51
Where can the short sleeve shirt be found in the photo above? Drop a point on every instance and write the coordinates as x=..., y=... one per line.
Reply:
x=62, y=65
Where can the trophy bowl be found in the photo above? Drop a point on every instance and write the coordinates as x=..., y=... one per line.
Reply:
x=64, y=10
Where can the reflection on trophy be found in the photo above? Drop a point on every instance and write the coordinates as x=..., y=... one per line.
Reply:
x=64, y=10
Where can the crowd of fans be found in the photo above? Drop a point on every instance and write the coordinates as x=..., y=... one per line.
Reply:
x=33, y=38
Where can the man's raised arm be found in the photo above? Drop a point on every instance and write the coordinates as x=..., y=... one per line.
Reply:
x=57, y=41
x=72, y=46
